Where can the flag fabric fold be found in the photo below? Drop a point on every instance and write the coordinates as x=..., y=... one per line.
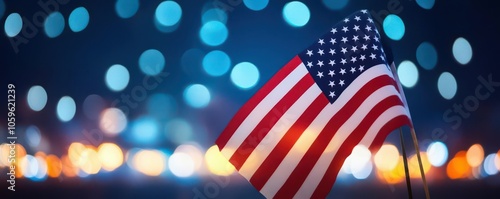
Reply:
x=291, y=138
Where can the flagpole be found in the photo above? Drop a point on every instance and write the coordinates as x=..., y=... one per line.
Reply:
x=422, y=174
x=405, y=162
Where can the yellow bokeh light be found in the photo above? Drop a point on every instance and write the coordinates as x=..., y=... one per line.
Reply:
x=387, y=158
x=394, y=176
x=54, y=166
x=475, y=155
x=458, y=166
x=75, y=152
x=217, y=163
x=414, y=167
x=110, y=155
x=150, y=162
x=90, y=163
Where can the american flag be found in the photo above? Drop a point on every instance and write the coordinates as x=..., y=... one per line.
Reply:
x=291, y=138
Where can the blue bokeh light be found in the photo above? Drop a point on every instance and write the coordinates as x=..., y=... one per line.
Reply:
x=145, y=130
x=151, y=62
x=179, y=131
x=245, y=75
x=197, y=96
x=117, y=77
x=165, y=29
x=296, y=13
x=427, y=55
x=168, y=13
x=213, y=33
x=66, y=109
x=437, y=153
x=162, y=106
x=93, y=105
x=78, y=19
x=408, y=73
x=37, y=98
x=426, y=4
x=335, y=4
x=33, y=136
x=54, y=24
x=462, y=51
x=126, y=8
x=216, y=63
x=489, y=164
x=214, y=14
x=13, y=24
x=256, y=5
x=394, y=27
x=447, y=85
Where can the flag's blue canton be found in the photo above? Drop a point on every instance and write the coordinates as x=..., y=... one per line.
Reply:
x=340, y=56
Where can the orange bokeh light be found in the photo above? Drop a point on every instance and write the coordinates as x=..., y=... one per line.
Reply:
x=458, y=167
x=54, y=166
x=68, y=169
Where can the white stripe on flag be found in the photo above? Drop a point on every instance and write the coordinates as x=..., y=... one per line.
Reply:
x=262, y=109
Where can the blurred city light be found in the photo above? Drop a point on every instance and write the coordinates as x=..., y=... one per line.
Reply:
x=245, y=75
x=181, y=164
x=458, y=167
x=296, y=13
x=168, y=13
x=217, y=163
x=387, y=157
x=462, y=51
x=489, y=164
x=447, y=85
x=394, y=27
x=66, y=109
x=413, y=165
x=54, y=166
x=78, y=19
x=150, y=162
x=437, y=153
x=54, y=24
x=151, y=62
x=126, y=8
x=37, y=98
x=475, y=155
x=213, y=33
x=113, y=121
x=110, y=156
x=13, y=24
x=117, y=77
x=427, y=55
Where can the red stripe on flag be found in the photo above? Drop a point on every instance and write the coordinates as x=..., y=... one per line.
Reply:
x=331, y=174
x=269, y=165
x=309, y=160
x=269, y=120
x=255, y=100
